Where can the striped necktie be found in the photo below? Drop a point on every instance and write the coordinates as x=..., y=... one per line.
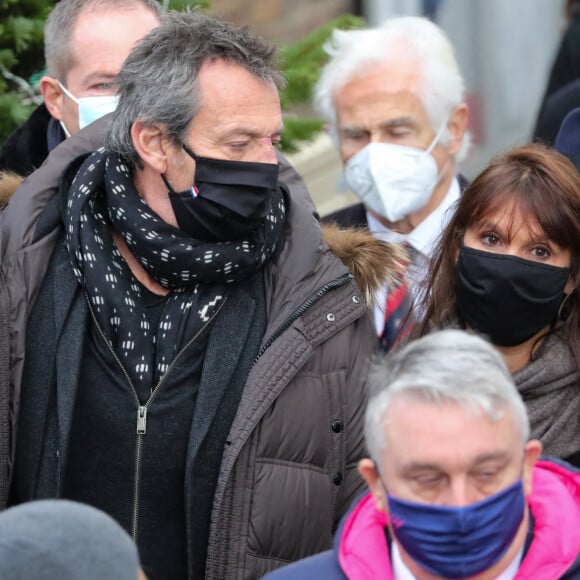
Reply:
x=398, y=306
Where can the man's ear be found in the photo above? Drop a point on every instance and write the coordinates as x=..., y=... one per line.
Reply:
x=532, y=452
x=456, y=127
x=53, y=96
x=368, y=471
x=152, y=145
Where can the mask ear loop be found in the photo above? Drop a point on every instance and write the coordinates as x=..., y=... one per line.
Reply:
x=385, y=490
x=67, y=93
x=563, y=303
x=66, y=131
x=189, y=152
x=167, y=184
x=164, y=177
x=438, y=135
x=436, y=139
x=192, y=190
x=72, y=98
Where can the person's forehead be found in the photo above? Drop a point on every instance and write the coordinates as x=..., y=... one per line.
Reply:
x=253, y=103
x=381, y=94
x=216, y=78
x=103, y=37
x=128, y=15
x=446, y=434
x=510, y=219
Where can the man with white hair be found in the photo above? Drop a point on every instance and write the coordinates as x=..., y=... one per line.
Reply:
x=455, y=488
x=393, y=97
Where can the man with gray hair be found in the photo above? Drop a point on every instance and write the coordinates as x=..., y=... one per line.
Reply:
x=393, y=97
x=190, y=354
x=85, y=44
x=455, y=486
x=56, y=539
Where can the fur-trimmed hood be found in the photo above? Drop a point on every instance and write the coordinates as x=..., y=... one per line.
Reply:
x=8, y=183
x=373, y=262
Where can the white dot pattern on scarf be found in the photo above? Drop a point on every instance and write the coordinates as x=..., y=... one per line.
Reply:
x=103, y=197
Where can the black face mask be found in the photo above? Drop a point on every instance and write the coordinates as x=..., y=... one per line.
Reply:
x=507, y=298
x=229, y=201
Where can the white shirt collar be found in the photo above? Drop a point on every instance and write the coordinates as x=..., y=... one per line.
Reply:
x=401, y=572
x=425, y=236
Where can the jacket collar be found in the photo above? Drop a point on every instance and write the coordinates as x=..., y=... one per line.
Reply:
x=555, y=507
x=363, y=551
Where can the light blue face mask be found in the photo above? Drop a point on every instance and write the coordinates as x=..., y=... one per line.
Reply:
x=90, y=108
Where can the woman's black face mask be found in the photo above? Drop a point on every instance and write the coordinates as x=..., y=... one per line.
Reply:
x=507, y=298
x=230, y=199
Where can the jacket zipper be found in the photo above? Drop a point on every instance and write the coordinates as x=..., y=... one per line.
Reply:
x=308, y=303
x=142, y=409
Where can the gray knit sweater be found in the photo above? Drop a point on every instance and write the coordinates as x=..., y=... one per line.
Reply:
x=550, y=387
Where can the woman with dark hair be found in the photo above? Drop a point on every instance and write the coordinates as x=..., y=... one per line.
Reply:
x=508, y=267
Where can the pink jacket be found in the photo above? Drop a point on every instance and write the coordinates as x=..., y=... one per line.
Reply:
x=554, y=551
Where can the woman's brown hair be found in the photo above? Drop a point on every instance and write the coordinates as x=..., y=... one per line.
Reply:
x=545, y=187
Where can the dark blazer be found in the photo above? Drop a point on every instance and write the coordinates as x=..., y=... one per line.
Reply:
x=354, y=216
x=28, y=146
x=566, y=66
x=556, y=107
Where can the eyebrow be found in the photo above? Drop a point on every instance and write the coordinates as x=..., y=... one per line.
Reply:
x=419, y=466
x=538, y=236
x=247, y=132
x=99, y=76
x=491, y=456
x=400, y=122
x=390, y=124
x=479, y=459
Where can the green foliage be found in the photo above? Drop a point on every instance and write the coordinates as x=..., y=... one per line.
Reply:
x=298, y=130
x=22, y=59
x=301, y=64
x=184, y=4
x=302, y=60
x=21, y=54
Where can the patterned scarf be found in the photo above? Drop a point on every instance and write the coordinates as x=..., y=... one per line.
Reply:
x=103, y=198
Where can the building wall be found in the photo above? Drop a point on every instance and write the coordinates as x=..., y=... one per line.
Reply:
x=281, y=20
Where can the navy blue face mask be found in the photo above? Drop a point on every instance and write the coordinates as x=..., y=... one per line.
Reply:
x=458, y=542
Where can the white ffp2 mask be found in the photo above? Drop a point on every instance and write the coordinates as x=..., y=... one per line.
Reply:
x=394, y=180
x=91, y=108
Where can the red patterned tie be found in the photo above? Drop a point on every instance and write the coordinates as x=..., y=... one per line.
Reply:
x=398, y=307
